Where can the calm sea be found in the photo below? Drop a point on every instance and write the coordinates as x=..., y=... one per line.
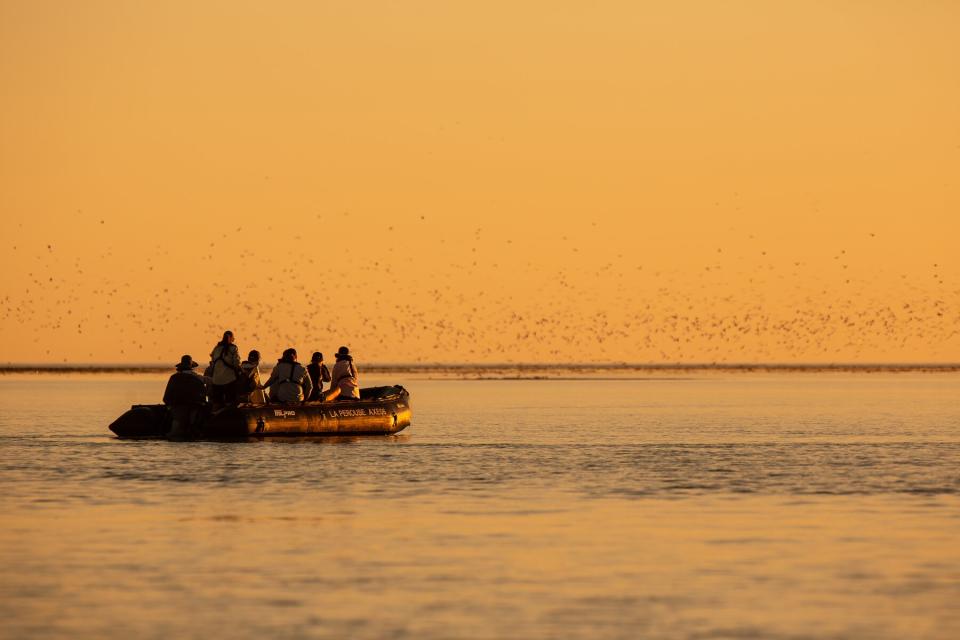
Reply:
x=703, y=505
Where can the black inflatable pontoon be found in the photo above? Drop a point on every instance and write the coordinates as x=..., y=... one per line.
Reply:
x=380, y=411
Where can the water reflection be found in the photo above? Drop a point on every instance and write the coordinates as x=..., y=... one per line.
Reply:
x=748, y=507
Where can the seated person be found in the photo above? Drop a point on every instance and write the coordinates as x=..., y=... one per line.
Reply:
x=318, y=375
x=185, y=397
x=248, y=385
x=346, y=379
x=289, y=380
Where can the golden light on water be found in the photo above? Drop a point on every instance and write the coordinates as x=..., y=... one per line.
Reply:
x=682, y=182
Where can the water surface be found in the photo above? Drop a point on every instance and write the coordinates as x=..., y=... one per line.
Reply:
x=697, y=506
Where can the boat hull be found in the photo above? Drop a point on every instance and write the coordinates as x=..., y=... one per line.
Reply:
x=380, y=411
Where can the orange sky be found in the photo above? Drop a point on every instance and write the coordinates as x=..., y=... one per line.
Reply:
x=481, y=182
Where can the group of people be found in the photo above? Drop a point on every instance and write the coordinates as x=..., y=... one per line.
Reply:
x=229, y=381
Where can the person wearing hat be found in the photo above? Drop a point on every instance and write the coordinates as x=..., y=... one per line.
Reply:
x=346, y=379
x=185, y=397
x=318, y=375
x=289, y=380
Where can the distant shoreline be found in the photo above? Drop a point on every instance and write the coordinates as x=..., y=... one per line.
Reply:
x=524, y=371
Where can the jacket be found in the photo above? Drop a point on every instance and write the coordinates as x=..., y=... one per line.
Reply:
x=289, y=382
x=185, y=387
x=225, y=359
x=318, y=375
x=257, y=396
x=346, y=376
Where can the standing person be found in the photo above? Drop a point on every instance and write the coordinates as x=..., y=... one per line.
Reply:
x=346, y=379
x=224, y=370
x=248, y=385
x=318, y=375
x=185, y=396
x=289, y=379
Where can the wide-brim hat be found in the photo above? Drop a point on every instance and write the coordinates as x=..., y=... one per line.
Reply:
x=186, y=362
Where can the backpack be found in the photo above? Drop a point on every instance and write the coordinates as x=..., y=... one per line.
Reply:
x=238, y=371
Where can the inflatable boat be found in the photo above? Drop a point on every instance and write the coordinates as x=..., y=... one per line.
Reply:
x=379, y=411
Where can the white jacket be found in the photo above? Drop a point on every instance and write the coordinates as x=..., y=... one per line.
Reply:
x=289, y=382
x=346, y=377
x=224, y=369
x=257, y=396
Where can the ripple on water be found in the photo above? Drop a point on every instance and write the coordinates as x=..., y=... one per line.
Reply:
x=730, y=508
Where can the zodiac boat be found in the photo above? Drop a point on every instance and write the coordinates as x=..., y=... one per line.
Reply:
x=380, y=411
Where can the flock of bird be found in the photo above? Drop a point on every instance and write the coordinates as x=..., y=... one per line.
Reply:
x=403, y=293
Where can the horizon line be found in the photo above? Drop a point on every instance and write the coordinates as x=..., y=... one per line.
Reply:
x=529, y=366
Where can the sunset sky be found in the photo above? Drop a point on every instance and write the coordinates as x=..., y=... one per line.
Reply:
x=436, y=181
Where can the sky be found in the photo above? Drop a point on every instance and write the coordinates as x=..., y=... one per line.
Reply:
x=434, y=181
